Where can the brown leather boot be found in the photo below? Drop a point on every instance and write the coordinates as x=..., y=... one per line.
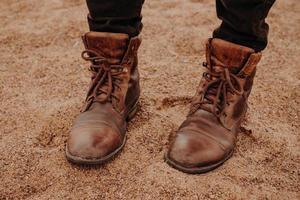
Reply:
x=99, y=131
x=207, y=137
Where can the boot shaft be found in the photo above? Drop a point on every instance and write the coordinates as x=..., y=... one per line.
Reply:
x=116, y=49
x=227, y=81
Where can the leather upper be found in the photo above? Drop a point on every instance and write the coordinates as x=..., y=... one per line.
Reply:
x=114, y=90
x=208, y=134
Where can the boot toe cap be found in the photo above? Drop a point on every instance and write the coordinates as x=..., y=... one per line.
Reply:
x=93, y=142
x=195, y=150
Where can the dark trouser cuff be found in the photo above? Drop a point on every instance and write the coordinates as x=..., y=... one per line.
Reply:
x=132, y=26
x=257, y=42
x=243, y=22
x=117, y=16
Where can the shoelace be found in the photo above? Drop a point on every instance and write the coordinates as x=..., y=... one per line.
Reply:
x=215, y=91
x=104, y=74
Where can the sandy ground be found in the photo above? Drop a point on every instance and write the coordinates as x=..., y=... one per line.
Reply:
x=43, y=83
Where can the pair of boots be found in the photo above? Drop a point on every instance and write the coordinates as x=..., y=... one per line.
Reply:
x=207, y=137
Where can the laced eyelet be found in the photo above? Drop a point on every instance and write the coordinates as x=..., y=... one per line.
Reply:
x=125, y=69
x=104, y=74
x=216, y=86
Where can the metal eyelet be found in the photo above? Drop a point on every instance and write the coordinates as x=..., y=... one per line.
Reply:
x=125, y=69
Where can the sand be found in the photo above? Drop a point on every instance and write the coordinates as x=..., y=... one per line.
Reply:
x=43, y=83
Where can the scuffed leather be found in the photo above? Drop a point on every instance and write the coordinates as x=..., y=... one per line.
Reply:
x=100, y=129
x=206, y=138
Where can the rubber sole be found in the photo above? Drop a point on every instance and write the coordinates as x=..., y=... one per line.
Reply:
x=84, y=161
x=196, y=170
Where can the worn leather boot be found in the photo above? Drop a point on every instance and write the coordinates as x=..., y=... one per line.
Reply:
x=99, y=131
x=207, y=137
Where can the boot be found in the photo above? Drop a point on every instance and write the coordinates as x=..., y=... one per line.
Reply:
x=207, y=137
x=99, y=131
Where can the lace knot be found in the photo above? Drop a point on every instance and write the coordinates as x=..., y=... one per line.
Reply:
x=215, y=90
x=105, y=79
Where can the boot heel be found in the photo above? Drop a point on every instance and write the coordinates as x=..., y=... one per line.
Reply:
x=132, y=112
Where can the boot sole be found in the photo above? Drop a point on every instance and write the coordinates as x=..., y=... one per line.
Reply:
x=85, y=161
x=196, y=170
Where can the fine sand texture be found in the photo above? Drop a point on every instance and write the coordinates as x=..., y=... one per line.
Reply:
x=43, y=83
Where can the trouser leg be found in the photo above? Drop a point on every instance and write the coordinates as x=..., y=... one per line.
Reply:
x=243, y=22
x=117, y=16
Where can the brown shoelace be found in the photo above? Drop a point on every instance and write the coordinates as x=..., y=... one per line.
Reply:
x=103, y=74
x=216, y=88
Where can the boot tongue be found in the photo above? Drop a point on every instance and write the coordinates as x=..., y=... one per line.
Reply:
x=230, y=55
x=223, y=54
x=111, y=46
